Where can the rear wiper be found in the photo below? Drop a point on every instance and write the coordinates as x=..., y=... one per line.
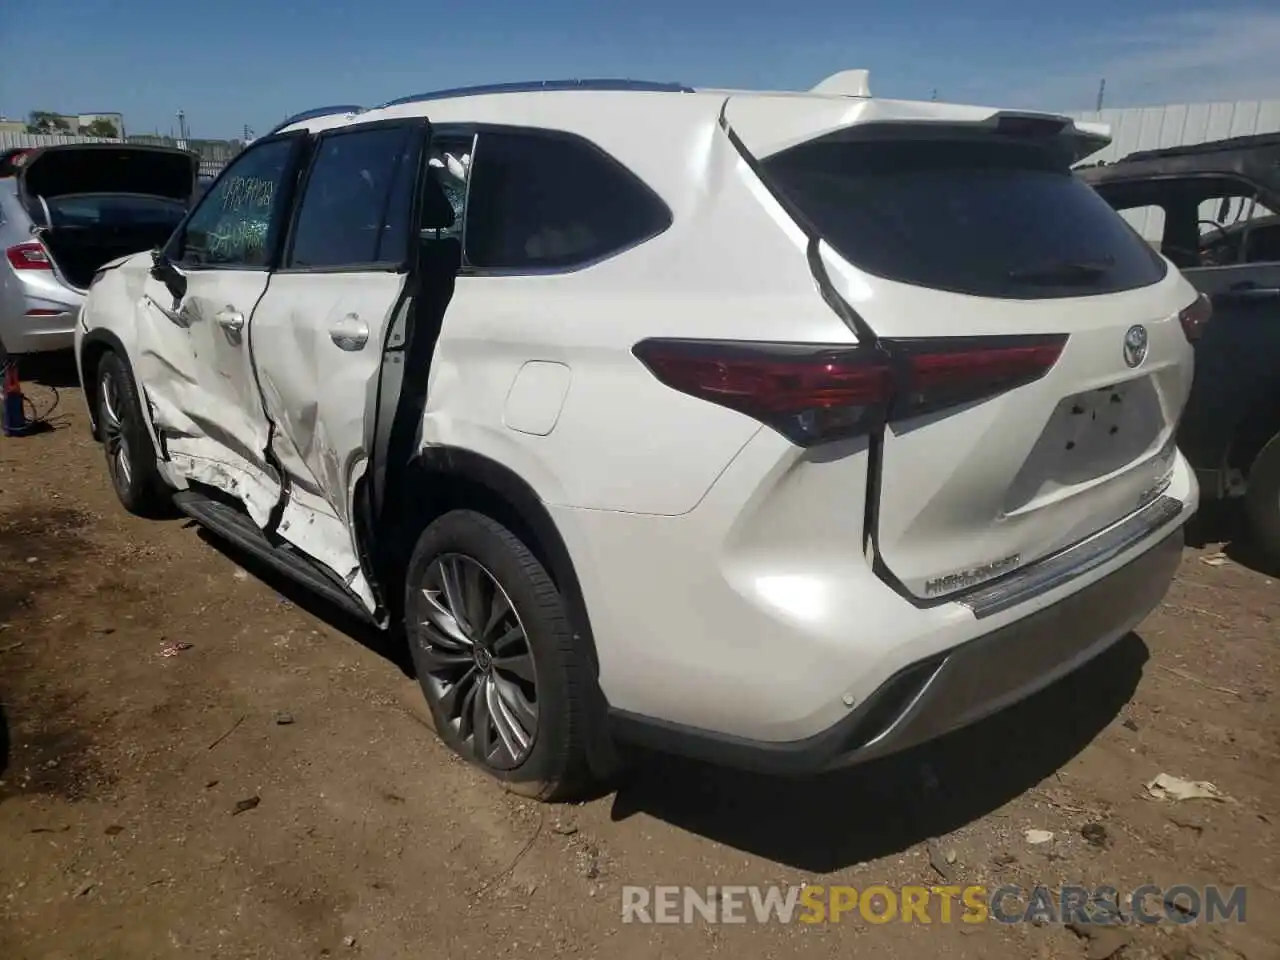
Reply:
x=1064, y=271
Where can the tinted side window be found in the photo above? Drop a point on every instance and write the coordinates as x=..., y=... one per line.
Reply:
x=988, y=217
x=393, y=242
x=341, y=216
x=544, y=202
x=1264, y=244
x=238, y=220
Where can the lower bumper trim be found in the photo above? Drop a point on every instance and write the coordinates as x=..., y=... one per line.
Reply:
x=953, y=689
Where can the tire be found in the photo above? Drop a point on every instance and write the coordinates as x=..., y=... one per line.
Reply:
x=1262, y=501
x=515, y=703
x=131, y=461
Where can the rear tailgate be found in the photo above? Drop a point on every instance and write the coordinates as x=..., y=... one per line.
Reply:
x=941, y=227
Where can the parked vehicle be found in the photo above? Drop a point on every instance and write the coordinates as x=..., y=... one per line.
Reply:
x=64, y=212
x=1214, y=210
x=826, y=426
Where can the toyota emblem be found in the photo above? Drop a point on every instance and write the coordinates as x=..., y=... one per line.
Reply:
x=1135, y=345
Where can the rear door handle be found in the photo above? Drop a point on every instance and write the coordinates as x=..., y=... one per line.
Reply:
x=350, y=333
x=230, y=319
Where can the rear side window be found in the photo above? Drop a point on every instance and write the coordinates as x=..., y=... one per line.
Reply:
x=539, y=201
x=106, y=210
x=990, y=218
x=342, y=216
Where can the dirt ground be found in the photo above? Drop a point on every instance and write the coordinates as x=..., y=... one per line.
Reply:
x=122, y=771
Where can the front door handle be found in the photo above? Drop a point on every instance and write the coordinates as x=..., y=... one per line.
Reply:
x=350, y=333
x=230, y=319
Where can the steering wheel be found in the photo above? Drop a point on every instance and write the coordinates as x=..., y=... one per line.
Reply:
x=1222, y=231
x=1207, y=246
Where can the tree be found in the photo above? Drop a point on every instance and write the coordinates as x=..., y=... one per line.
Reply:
x=101, y=127
x=44, y=121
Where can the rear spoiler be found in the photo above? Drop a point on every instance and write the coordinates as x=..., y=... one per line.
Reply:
x=1088, y=138
x=1085, y=139
x=841, y=108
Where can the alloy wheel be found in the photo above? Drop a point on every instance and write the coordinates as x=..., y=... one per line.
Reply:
x=477, y=661
x=113, y=432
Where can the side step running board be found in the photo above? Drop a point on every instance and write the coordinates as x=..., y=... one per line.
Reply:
x=238, y=527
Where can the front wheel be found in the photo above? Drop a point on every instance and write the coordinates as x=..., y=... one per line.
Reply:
x=131, y=461
x=1262, y=501
x=503, y=675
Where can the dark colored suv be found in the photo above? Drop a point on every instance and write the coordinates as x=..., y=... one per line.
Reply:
x=1214, y=210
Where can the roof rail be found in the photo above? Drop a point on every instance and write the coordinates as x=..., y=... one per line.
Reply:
x=341, y=108
x=533, y=86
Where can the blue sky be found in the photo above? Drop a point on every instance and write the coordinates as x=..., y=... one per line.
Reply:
x=237, y=62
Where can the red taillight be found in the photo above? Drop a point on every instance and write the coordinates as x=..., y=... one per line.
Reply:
x=815, y=393
x=1194, y=317
x=29, y=256
x=948, y=372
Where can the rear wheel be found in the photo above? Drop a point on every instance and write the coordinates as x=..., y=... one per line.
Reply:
x=131, y=461
x=1262, y=500
x=496, y=657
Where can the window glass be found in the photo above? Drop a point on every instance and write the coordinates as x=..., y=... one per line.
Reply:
x=989, y=217
x=545, y=202
x=1263, y=243
x=238, y=219
x=1232, y=230
x=106, y=210
x=450, y=162
x=1200, y=221
x=393, y=242
x=1148, y=220
x=341, y=217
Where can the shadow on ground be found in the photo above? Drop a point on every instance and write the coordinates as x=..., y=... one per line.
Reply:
x=387, y=644
x=4, y=741
x=1223, y=521
x=825, y=823
x=44, y=734
x=56, y=369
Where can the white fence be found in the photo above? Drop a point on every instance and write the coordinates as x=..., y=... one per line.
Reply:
x=10, y=139
x=1151, y=128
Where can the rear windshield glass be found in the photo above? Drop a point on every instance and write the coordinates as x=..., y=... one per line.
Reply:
x=992, y=218
x=112, y=211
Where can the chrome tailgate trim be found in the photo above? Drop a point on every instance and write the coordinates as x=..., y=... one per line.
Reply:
x=1073, y=561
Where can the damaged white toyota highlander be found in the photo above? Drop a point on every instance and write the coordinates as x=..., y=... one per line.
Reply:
x=782, y=430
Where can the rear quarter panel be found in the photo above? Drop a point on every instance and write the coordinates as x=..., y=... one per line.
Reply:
x=731, y=266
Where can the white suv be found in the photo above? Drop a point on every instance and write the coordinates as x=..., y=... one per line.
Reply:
x=781, y=430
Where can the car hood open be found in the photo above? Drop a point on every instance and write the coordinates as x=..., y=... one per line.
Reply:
x=108, y=168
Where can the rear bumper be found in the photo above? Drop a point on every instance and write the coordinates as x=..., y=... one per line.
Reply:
x=952, y=689
x=27, y=338
x=47, y=320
